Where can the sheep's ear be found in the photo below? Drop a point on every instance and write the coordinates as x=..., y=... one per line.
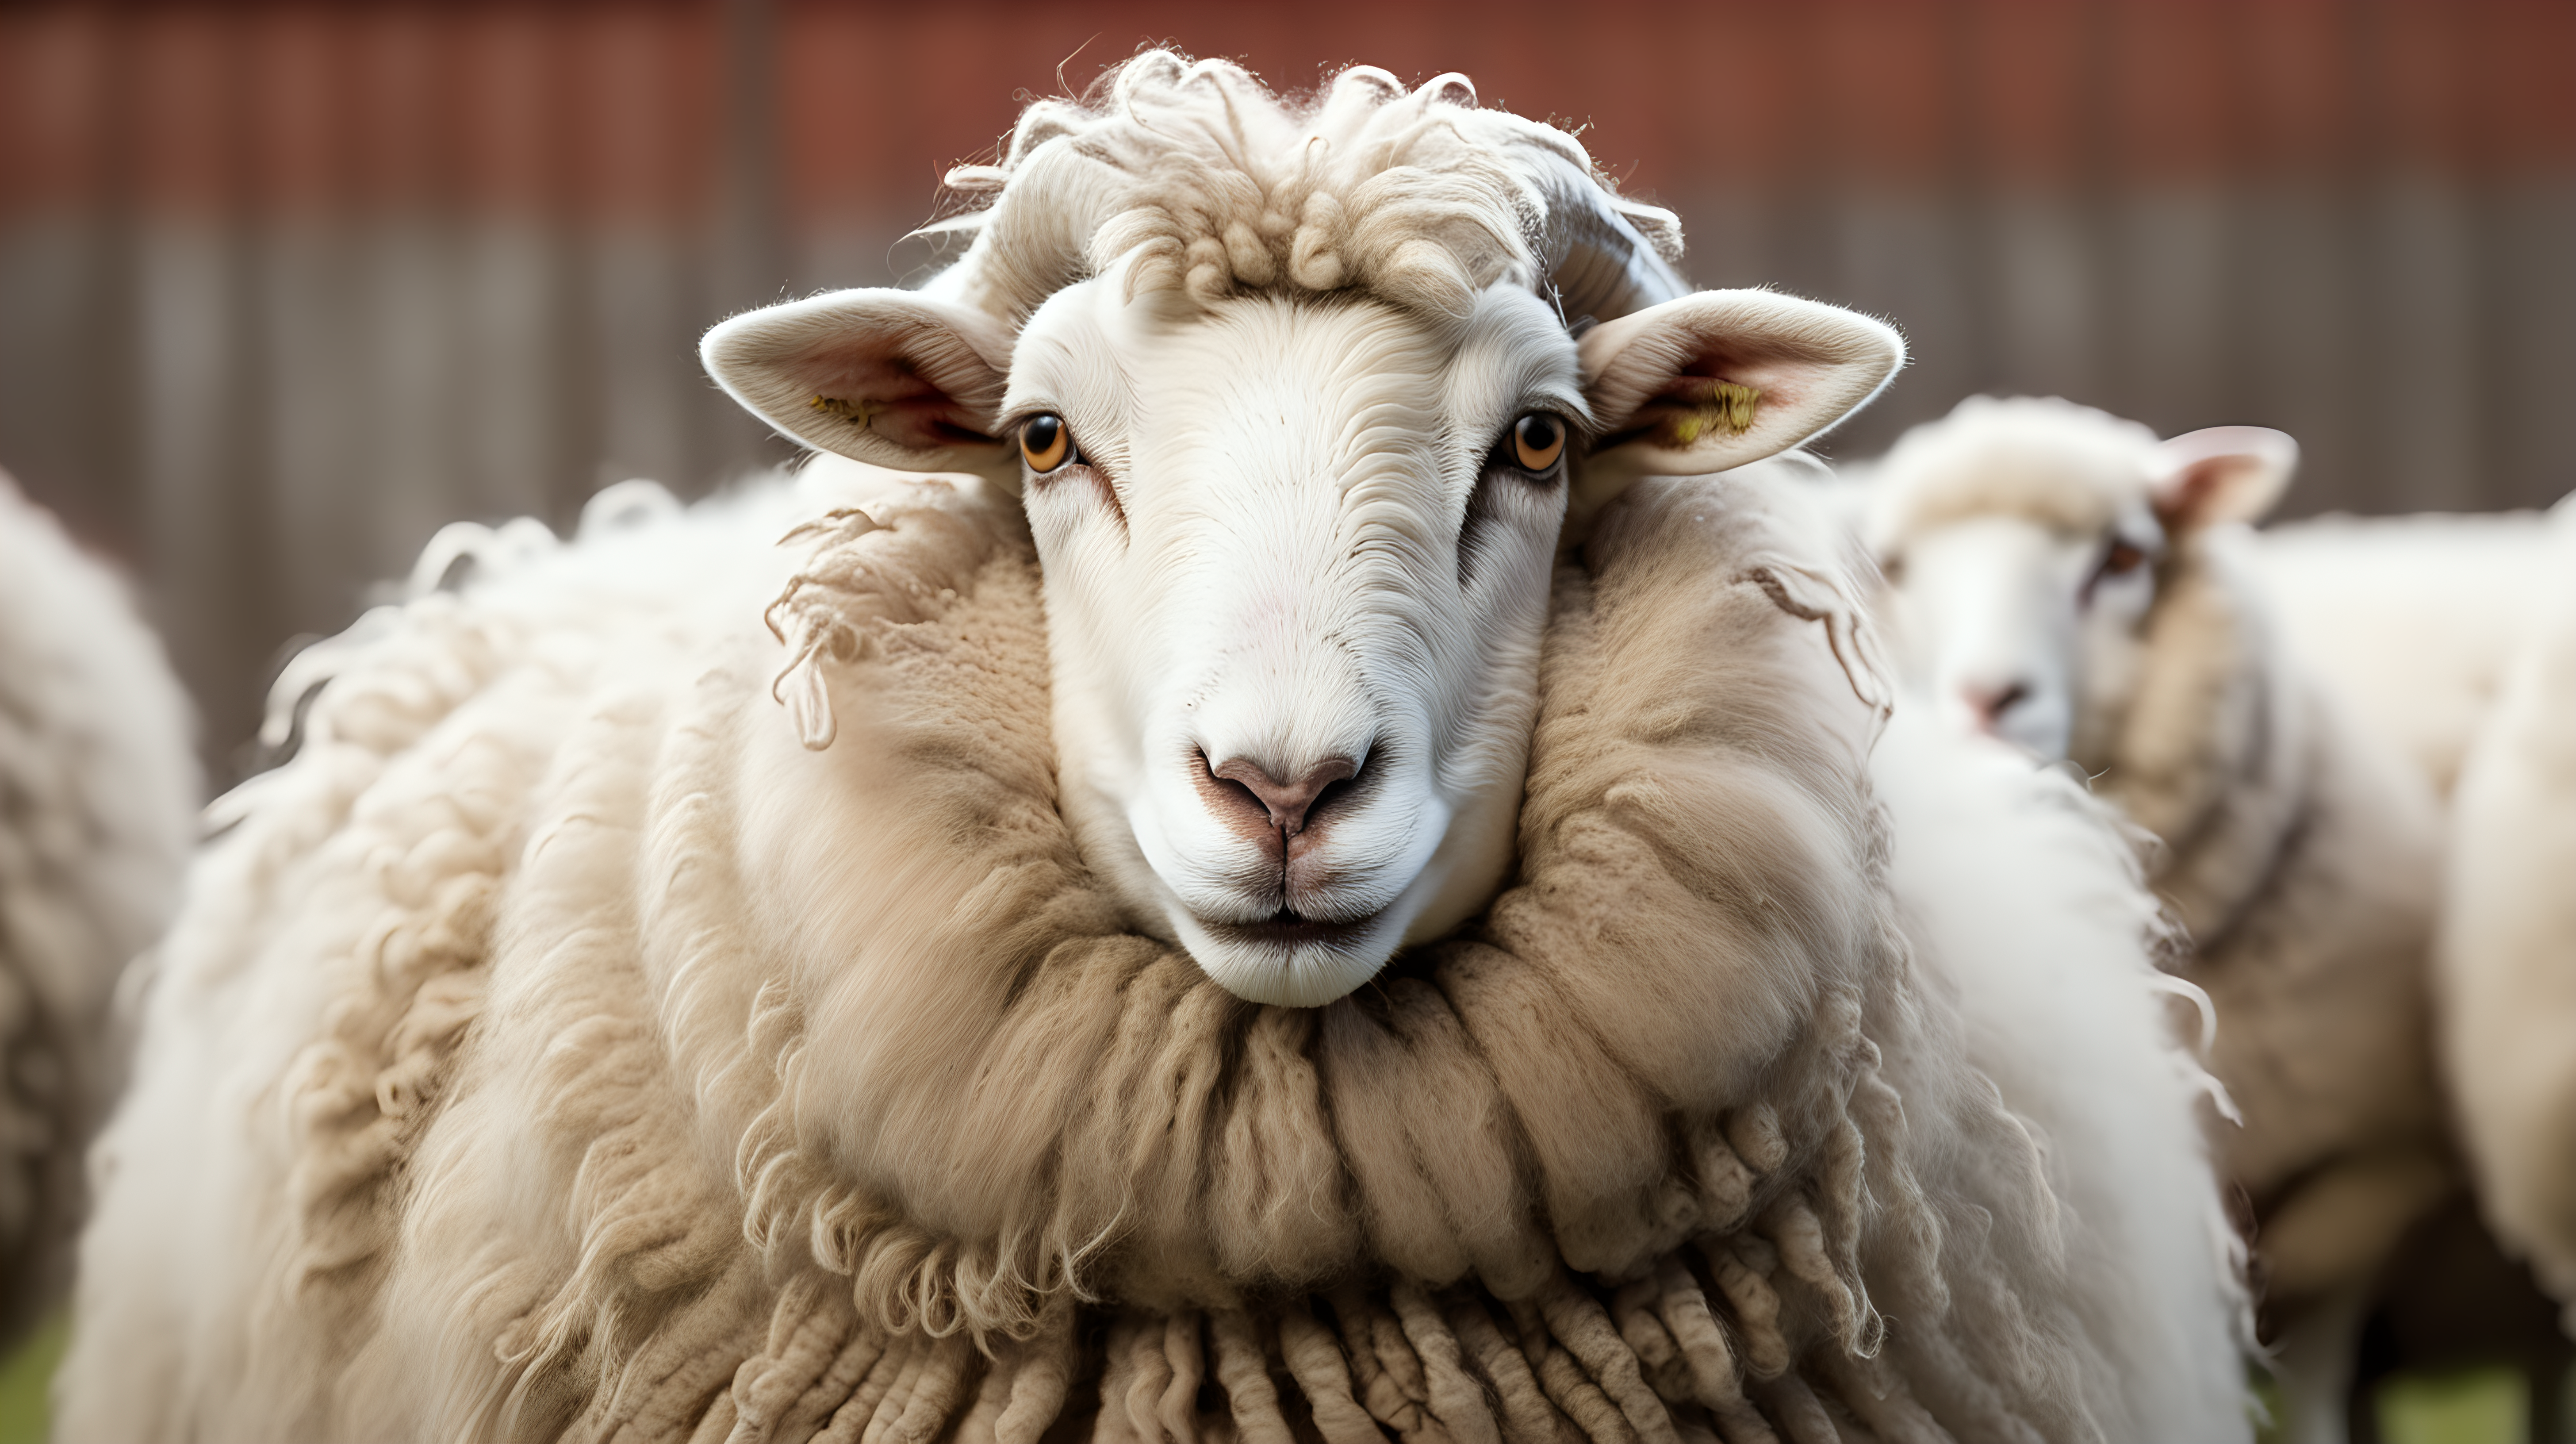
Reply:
x=2222, y=474
x=888, y=377
x=1721, y=378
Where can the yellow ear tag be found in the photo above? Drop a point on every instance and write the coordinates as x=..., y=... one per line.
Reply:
x=859, y=413
x=1725, y=406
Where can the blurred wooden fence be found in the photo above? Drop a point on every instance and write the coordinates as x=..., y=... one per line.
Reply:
x=285, y=286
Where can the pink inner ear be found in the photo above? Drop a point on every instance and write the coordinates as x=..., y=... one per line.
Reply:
x=900, y=403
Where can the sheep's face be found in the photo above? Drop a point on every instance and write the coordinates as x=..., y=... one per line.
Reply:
x=2024, y=545
x=1297, y=553
x=2020, y=629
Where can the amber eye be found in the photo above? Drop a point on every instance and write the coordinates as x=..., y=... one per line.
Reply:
x=1538, y=439
x=2121, y=559
x=1045, y=443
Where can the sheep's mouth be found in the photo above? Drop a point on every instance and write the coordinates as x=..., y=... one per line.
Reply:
x=1289, y=928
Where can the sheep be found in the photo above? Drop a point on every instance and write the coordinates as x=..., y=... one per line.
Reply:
x=2060, y=579
x=2413, y=620
x=1331, y=869
x=2507, y=941
x=98, y=793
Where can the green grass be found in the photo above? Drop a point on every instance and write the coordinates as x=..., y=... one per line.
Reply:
x=23, y=1380
x=2474, y=1406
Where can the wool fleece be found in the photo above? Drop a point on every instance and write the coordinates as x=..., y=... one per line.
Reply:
x=557, y=1048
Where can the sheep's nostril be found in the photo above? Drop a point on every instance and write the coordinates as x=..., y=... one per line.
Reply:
x=1991, y=703
x=1247, y=798
x=1289, y=802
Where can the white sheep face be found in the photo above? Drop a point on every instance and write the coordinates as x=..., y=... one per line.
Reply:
x=1296, y=559
x=2024, y=541
x=1295, y=575
x=2025, y=631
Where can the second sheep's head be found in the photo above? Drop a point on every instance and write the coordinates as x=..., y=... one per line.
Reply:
x=1298, y=399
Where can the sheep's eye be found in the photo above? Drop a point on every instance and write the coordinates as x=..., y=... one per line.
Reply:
x=1538, y=439
x=1046, y=443
x=2121, y=559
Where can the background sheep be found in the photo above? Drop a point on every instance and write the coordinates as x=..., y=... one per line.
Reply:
x=2064, y=580
x=2507, y=962
x=2414, y=620
x=576, y=1047
x=98, y=791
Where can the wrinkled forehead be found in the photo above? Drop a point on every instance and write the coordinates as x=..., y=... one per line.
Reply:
x=1093, y=348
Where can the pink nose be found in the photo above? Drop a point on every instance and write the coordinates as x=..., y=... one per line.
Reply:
x=1991, y=703
x=1245, y=797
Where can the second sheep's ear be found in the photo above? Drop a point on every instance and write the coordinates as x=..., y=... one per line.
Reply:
x=888, y=377
x=2221, y=474
x=1721, y=378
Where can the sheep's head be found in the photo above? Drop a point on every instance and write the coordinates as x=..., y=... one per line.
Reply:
x=2025, y=542
x=1296, y=448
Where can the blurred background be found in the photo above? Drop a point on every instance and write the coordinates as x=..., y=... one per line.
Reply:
x=283, y=287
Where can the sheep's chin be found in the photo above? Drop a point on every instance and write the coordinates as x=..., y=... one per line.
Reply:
x=1303, y=966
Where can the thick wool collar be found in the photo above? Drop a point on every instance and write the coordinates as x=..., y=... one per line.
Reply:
x=861, y=1110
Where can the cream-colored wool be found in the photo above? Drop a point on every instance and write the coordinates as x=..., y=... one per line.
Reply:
x=675, y=994
x=98, y=795
x=2508, y=943
x=2412, y=620
x=2300, y=851
x=625, y=1068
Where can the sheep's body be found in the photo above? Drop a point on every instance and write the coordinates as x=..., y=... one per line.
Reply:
x=2300, y=852
x=555, y=1048
x=2302, y=857
x=98, y=792
x=2412, y=620
x=2506, y=975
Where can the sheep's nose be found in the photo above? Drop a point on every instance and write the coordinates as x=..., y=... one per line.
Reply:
x=1990, y=703
x=1245, y=797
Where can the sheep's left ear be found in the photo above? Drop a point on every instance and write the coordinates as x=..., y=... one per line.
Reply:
x=2221, y=474
x=1721, y=378
x=894, y=378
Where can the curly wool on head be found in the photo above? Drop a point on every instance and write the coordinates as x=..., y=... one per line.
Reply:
x=1204, y=182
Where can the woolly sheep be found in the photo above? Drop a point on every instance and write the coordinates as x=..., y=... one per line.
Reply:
x=98, y=793
x=2061, y=579
x=2413, y=620
x=2507, y=952
x=564, y=1044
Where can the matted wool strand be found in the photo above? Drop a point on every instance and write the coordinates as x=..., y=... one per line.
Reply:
x=1114, y=1424
x=1794, y=1407
x=1243, y=1369
x=1880, y=1400
x=1566, y=1385
x=1725, y=1181
x=1527, y=1416
x=1380, y=1388
x=1455, y=1397
x=1583, y=1326
x=1716, y=1382
x=1177, y=1410
x=1315, y=1361
x=992, y=1393
x=1041, y=1381
x=1755, y=1135
x=1149, y=1373
x=1795, y=1230
x=851, y=1419
x=1657, y=1356
x=1742, y=1267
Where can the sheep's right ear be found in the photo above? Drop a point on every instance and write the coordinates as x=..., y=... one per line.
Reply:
x=889, y=377
x=1717, y=379
x=2221, y=474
